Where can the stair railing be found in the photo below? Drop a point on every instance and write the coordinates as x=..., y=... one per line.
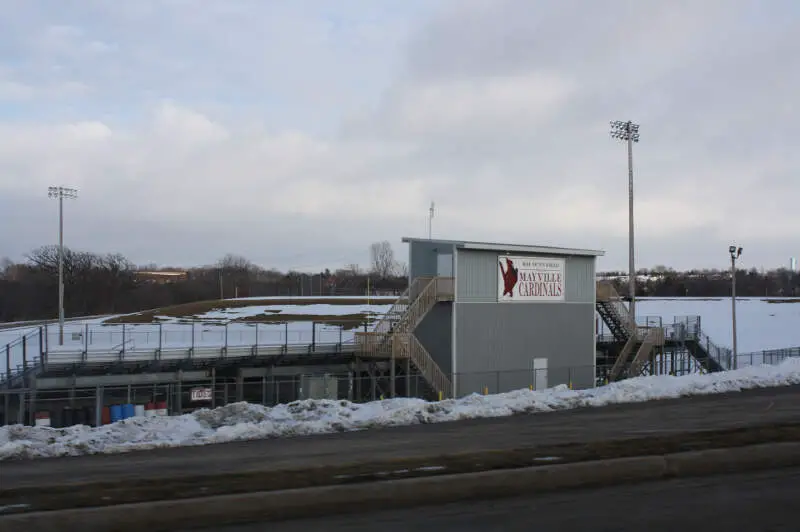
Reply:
x=635, y=339
x=397, y=309
x=689, y=329
x=428, y=367
x=373, y=344
x=437, y=289
x=721, y=355
x=654, y=337
x=400, y=307
x=622, y=358
x=392, y=335
x=606, y=293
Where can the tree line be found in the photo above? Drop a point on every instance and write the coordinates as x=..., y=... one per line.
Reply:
x=666, y=282
x=98, y=284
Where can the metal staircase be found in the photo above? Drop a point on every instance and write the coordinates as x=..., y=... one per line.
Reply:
x=653, y=338
x=638, y=341
x=614, y=312
x=709, y=355
x=393, y=335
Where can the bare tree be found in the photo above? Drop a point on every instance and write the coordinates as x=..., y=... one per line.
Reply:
x=382, y=259
x=5, y=267
x=238, y=263
x=401, y=269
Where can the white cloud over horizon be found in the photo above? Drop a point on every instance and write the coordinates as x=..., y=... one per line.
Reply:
x=298, y=133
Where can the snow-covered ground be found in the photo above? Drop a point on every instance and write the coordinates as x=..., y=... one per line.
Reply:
x=760, y=324
x=242, y=421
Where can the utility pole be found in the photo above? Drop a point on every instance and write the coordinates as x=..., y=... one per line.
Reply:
x=629, y=132
x=60, y=193
x=735, y=254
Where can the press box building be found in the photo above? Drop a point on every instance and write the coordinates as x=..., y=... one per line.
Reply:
x=515, y=316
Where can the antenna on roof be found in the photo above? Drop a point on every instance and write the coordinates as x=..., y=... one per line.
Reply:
x=430, y=221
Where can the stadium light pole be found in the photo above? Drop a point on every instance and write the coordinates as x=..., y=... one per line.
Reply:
x=430, y=222
x=735, y=254
x=60, y=193
x=629, y=132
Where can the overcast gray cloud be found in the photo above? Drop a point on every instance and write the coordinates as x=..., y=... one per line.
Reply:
x=297, y=133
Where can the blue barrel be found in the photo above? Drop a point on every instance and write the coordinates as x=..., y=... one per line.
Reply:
x=128, y=410
x=116, y=413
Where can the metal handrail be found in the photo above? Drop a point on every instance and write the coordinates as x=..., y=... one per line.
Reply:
x=606, y=293
x=105, y=355
x=429, y=368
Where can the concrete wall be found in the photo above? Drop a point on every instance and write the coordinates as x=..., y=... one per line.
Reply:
x=434, y=333
x=496, y=343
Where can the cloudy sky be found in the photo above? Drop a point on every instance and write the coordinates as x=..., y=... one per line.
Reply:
x=298, y=132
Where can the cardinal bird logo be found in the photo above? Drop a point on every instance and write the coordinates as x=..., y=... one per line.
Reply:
x=509, y=277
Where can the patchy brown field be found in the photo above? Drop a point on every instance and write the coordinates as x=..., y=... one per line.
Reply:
x=193, y=310
x=345, y=321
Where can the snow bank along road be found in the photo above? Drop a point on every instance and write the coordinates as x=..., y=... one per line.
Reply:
x=707, y=412
x=244, y=421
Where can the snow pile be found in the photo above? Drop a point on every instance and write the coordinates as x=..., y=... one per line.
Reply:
x=243, y=421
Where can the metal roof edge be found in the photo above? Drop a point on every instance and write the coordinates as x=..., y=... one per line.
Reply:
x=508, y=248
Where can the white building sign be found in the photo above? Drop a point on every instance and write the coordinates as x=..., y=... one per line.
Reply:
x=527, y=279
x=200, y=394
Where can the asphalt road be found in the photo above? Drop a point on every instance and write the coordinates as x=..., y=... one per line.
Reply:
x=754, y=502
x=582, y=425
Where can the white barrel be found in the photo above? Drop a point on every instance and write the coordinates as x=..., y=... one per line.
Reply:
x=43, y=419
x=138, y=410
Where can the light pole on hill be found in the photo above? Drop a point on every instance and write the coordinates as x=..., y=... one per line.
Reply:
x=735, y=254
x=60, y=193
x=629, y=132
x=430, y=222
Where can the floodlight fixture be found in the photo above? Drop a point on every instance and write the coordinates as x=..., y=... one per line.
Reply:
x=62, y=192
x=624, y=130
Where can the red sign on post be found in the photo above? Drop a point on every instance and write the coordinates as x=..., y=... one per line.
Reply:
x=200, y=394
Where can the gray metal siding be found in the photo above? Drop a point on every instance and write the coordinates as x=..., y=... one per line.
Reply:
x=423, y=258
x=476, y=281
x=435, y=333
x=496, y=344
x=579, y=280
x=476, y=278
